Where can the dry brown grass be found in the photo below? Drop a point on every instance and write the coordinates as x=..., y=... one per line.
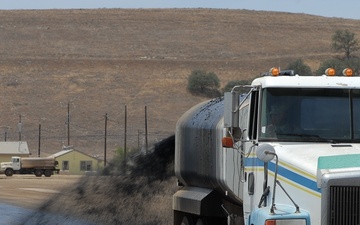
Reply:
x=101, y=60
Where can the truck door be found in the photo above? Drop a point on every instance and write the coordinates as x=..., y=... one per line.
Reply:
x=16, y=163
x=251, y=186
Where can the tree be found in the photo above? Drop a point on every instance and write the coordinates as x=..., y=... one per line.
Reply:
x=345, y=41
x=202, y=83
x=299, y=67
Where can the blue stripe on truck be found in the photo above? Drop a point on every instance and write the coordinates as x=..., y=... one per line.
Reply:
x=285, y=172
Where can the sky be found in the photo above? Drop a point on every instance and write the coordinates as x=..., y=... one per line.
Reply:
x=349, y=9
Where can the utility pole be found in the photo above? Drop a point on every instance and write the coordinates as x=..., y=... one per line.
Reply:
x=138, y=137
x=146, y=132
x=125, y=133
x=105, y=139
x=20, y=127
x=39, y=140
x=68, y=124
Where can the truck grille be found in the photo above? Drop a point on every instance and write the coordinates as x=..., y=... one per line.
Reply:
x=344, y=205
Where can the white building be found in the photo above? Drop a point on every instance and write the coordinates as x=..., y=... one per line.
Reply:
x=9, y=149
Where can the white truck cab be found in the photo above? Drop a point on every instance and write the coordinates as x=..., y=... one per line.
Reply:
x=15, y=162
x=288, y=152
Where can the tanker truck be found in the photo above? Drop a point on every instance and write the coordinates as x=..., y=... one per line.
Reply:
x=285, y=152
x=37, y=166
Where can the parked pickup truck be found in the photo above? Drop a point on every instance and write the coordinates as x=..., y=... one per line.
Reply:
x=37, y=166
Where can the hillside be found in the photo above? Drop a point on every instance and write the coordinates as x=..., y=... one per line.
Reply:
x=100, y=61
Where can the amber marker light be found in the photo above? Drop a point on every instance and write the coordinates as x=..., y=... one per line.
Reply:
x=270, y=222
x=227, y=142
x=330, y=72
x=347, y=72
x=274, y=71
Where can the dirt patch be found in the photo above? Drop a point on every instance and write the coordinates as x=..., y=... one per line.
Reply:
x=29, y=191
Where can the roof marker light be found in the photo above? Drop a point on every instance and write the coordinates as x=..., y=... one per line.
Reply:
x=227, y=142
x=347, y=72
x=330, y=72
x=274, y=71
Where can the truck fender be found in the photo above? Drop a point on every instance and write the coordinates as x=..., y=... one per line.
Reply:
x=282, y=212
x=198, y=201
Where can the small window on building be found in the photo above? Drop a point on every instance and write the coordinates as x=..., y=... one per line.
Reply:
x=65, y=165
x=85, y=165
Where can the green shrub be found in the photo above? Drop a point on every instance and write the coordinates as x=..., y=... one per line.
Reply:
x=203, y=83
x=229, y=86
x=299, y=67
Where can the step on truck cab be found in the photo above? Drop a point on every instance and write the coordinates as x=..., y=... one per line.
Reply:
x=287, y=152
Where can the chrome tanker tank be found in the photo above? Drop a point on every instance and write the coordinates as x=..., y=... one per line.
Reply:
x=197, y=144
x=200, y=159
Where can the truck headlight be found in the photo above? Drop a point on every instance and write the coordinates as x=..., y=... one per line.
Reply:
x=286, y=222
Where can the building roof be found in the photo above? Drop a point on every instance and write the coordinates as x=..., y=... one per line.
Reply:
x=8, y=148
x=64, y=152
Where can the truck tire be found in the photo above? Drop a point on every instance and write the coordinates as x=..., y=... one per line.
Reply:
x=47, y=173
x=9, y=172
x=38, y=173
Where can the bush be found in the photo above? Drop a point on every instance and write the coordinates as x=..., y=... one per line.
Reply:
x=336, y=64
x=299, y=67
x=228, y=87
x=353, y=63
x=202, y=83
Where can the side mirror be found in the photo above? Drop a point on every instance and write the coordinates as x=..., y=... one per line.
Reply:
x=265, y=152
x=231, y=109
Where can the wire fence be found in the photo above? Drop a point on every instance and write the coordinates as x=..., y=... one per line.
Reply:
x=92, y=138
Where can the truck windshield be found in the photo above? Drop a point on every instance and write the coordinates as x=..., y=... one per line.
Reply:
x=310, y=114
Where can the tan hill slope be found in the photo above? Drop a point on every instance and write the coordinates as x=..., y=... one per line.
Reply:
x=100, y=60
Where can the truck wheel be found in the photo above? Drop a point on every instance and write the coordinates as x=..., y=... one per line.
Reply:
x=9, y=172
x=38, y=173
x=47, y=173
